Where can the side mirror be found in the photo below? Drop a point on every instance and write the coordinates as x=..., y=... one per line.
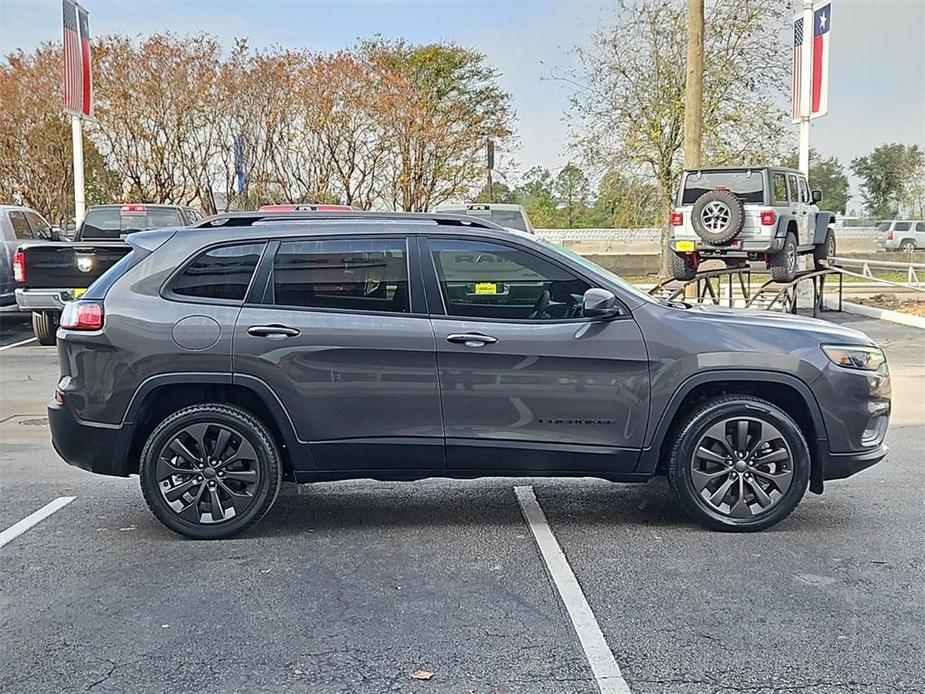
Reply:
x=600, y=303
x=54, y=234
x=817, y=196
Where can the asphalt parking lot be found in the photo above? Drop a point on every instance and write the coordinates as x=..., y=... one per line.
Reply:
x=354, y=586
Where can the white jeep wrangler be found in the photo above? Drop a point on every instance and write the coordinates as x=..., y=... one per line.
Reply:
x=741, y=214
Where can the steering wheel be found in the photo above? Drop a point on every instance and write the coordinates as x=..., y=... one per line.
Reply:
x=542, y=303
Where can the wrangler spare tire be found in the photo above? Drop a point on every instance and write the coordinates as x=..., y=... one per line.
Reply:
x=717, y=217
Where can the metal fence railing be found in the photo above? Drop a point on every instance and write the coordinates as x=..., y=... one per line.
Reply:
x=867, y=267
x=653, y=234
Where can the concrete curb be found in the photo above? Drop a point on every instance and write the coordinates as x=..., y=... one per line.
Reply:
x=880, y=313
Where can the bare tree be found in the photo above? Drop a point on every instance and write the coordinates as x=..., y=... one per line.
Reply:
x=627, y=111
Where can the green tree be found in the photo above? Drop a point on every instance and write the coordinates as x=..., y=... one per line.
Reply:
x=624, y=202
x=890, y=179
x=827, y=175
x=536, y=192
x=572, y=189
x=499, y=192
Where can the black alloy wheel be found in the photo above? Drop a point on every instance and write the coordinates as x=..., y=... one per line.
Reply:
x=739, y=463
x=210, y=471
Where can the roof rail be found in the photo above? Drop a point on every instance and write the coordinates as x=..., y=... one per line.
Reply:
x=246, y=219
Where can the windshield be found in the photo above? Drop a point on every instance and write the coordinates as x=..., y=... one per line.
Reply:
x=113, y=222
x=593, y=267
x=747, y=185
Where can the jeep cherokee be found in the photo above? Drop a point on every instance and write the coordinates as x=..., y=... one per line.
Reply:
x=311, y=346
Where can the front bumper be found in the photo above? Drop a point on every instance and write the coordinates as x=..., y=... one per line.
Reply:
x=43, y=299
x=94, y=447
x=838, y=466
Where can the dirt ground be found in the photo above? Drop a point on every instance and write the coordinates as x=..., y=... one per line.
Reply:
x=892, y=302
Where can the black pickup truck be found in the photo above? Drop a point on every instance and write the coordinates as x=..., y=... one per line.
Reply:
x=49, y=274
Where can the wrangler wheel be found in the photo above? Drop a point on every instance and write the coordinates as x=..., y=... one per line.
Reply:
x=210, y=471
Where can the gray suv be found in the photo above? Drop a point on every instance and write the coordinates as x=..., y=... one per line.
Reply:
x=217, y=362
x=748, y=213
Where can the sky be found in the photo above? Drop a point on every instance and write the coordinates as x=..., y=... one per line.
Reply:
x=876, y=91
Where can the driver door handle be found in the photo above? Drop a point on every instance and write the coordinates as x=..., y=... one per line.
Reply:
x=274, y=332
x=471, y=339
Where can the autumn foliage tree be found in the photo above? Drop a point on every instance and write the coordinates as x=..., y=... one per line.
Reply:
x=179, y=120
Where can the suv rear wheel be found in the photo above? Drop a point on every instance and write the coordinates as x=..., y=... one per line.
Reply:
x=681, y=267
x=907, y=246
x=784, y=263
x=739, y=463
x=210, y=471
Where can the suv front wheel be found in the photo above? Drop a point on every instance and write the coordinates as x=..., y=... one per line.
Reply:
x=739, y=463
x=210, y=471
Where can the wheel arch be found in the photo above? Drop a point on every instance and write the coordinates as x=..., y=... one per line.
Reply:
x=162, y=395
x=784, y=390
x=824, y=220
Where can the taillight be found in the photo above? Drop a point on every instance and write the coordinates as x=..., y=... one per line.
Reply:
x=889, y=237
x=768, y=217
x=19, y=267
x=677, y=219
x=82, y=315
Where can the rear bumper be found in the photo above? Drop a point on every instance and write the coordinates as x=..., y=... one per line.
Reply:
x=43, y=299
x=91, y=446
x=837, y=466
x=738, y=248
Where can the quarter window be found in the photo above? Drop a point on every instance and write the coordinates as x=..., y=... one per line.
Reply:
x=349, y=275
x=488, y=280
x=20, y=225
x=220, y=273
x=780, y=187
x=902, y=226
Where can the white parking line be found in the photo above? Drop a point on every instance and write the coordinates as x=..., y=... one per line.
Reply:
x=18, y=344
x=605, y=669
x=33, y=519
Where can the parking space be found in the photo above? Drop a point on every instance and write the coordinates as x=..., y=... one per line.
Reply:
x=353, y=587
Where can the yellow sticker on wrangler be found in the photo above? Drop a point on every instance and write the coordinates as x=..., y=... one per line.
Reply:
x=79, y=292
x=486, y=288
x=684, y=245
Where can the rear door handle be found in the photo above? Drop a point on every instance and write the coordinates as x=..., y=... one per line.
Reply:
x=274, y=332
x=472, y=339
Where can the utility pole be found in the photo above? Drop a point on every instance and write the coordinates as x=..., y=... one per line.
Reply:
x=806, y=67
x=693, y=101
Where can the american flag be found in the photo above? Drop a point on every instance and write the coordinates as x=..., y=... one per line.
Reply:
x=78, y=77
x=797, y=69
x=818, y=69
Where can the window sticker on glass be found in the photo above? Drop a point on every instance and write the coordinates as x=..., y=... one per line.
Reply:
x=486, y=288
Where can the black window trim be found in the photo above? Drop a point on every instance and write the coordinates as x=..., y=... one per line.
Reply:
x=267, y=299
x=167, y=293
x=435, y=285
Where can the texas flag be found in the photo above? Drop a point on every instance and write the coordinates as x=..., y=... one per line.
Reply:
x=817, y=70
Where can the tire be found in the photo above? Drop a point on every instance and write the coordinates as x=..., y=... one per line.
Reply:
x=907, y=246
x=823, y=251
x=252, y=476
x=681, y=267
x=717, y=217
x=45, y=325
x=783, y=264
x=782, y=482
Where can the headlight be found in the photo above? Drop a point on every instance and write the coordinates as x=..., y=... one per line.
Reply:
x=855, y=357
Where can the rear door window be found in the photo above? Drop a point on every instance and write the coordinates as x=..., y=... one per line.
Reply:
x=40, y=228
x=20, y=225
x=794, y=188
x=220, y=273
x=804, y=189
x=920, y=226
x=342, y=274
